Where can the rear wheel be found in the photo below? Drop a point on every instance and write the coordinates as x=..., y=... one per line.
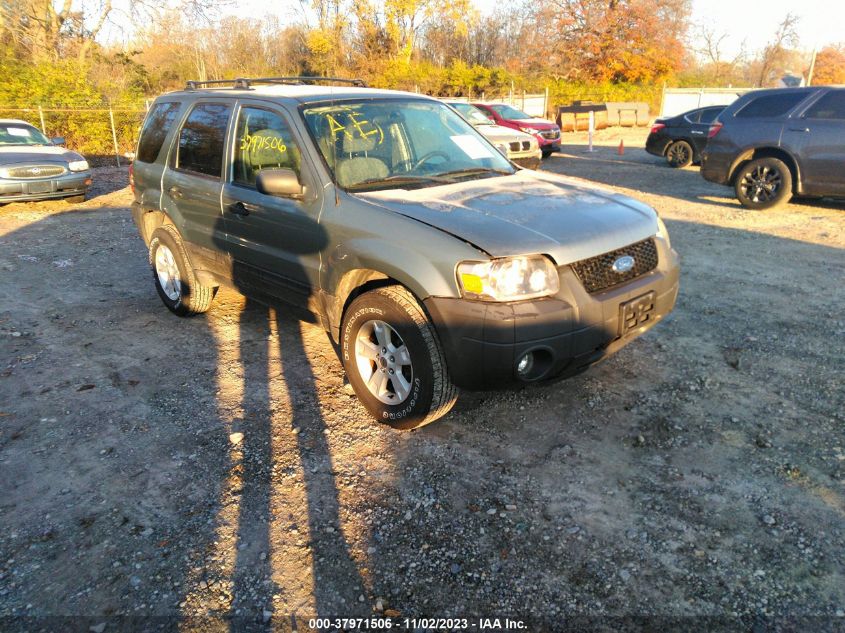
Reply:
x=679, y=154
x=764, y=183
x=174, y=276
x=394, y=361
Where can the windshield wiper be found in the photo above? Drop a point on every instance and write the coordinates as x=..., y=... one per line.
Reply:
x=472, y=171
x=396, y=180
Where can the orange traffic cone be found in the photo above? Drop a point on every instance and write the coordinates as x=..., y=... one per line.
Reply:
x=621, y=150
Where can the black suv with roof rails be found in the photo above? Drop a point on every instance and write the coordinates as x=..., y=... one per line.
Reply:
x=772, y=144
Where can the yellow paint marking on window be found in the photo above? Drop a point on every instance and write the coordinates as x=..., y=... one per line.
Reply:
x=254, y=143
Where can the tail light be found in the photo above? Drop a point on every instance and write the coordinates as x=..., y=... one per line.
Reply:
x=132, y=177
x=714, y=130
x=657, y=127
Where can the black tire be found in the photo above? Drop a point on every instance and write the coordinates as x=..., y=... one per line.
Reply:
x=679, y=154
x=431, y=393
x=75, y=199
x=191, y=298
x=764, y=183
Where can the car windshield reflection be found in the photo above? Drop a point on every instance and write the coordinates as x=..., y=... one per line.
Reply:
x=398, y=143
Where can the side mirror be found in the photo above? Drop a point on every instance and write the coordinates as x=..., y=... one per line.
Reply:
x=59, y=140
x=279, y=182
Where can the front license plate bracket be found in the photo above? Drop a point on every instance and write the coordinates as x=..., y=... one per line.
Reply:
x=636, y=313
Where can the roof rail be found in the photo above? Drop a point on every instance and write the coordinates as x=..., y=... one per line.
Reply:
x=242, y=83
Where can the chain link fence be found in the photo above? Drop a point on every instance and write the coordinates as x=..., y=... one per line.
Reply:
x=104, y=135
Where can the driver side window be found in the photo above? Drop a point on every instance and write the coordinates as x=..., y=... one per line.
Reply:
x=263, y=140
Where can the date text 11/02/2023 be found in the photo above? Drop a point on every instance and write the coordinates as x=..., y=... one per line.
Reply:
x=387, y=623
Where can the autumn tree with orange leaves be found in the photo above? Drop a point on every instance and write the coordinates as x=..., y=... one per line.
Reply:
x=610, y=40
x=830, y=66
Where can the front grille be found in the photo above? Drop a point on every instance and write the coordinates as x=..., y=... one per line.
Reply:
x=550, y=134
x=596, y=273
x=520, y=146
x=35, y=171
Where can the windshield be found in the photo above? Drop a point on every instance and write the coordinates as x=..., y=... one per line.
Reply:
x=507, y=112
x=400, y=143
x=472, y=114
x=21, y=134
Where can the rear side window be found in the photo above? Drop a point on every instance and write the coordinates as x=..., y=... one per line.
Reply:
x=771, y=105
x=158, y=124
x=830, y=106
x=201, y=139
x=709, y=115
x=693, y=116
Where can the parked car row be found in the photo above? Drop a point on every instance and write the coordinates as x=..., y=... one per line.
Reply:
x=769, y=145
x=433, y=262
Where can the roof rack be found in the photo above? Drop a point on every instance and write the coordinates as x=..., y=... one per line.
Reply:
x=242, y=83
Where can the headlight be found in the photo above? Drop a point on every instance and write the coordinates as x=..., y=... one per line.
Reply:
x=662, y=232
x=508, y=279
x=78, y=165
x=531, y=130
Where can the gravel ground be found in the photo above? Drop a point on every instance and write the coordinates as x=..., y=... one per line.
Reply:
x=218, y=470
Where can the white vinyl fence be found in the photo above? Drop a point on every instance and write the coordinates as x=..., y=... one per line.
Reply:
x=678, y=100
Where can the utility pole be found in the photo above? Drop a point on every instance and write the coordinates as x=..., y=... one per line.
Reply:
x=812, y=66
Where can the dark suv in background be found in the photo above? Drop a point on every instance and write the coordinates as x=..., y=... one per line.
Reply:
x=772, y=144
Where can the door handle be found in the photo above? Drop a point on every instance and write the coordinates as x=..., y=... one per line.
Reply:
x=242, y=208
x=799, y=129
x=175, y=192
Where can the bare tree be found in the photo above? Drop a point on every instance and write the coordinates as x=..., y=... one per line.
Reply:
x=776, y=51
x=40, y=28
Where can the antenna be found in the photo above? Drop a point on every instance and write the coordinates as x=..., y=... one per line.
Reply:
x=334, y=152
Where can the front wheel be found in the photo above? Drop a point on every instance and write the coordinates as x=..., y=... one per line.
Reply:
x=764, y=183
x=174, y=276
x=679, y=154
x=394, y=360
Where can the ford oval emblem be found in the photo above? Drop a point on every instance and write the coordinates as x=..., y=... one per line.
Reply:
x=35, y=171
x=623, y=264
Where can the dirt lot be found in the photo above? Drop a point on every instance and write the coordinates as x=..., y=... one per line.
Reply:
x=217, y=469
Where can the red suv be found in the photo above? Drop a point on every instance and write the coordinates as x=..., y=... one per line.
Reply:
x=546, y=132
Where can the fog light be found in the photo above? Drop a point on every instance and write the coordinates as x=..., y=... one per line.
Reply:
x=525, y=364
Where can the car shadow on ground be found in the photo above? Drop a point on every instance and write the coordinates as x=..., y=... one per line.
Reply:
x=627, y=171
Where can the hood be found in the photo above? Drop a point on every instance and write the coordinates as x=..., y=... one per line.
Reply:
x=502, y=134
x=527, y=213
x=10, y=154
x=539, y=124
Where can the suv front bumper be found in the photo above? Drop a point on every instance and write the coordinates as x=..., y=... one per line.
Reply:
x=484, y=341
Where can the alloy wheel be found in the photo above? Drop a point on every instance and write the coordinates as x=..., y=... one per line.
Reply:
x=168, y=273
x=384, y=362
x=761, y=184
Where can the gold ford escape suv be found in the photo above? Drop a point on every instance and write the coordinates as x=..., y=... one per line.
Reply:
x=433, y=262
